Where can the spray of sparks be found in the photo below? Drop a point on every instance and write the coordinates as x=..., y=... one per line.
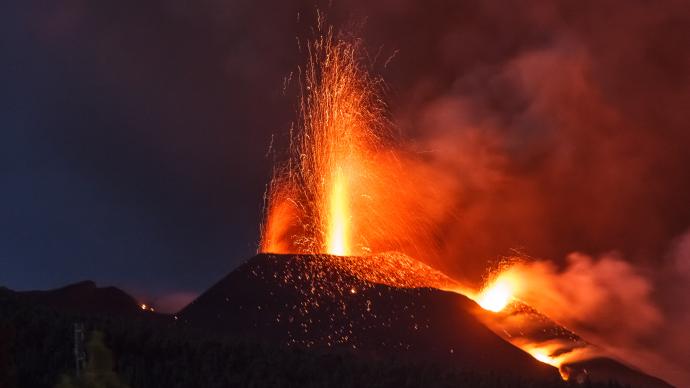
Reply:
x=311, y=199
x=346, y=194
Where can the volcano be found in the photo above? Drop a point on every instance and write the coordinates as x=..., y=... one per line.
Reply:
x=322, y=302
x=303, y=300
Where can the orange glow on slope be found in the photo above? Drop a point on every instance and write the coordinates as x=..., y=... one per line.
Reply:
x=542, y=357
x=498, y=294
x=496, y=297
x=556, y=353
x=526, y=328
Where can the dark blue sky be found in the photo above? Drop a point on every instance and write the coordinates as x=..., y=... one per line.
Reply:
x=133, y=143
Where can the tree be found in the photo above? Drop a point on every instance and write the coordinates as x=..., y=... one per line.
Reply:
x=99, y=368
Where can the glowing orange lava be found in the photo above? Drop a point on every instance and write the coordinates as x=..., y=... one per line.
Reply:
x=543, y=357
x=337, y=241
x=498, y=294
x=495, y=298
x=334, y=166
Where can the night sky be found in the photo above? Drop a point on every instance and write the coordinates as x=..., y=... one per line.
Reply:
x=134, y=141
x=136, y=135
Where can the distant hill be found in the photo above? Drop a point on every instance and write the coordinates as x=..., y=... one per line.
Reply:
x=83, y=298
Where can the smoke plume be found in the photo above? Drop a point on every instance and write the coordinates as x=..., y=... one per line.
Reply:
x=565, y=139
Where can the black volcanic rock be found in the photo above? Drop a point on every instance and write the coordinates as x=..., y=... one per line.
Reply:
x=304, y=301
x=82, y=298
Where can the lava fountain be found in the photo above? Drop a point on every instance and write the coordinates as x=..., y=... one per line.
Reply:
x=347, y=188
x=337, y=240
x=311, y=198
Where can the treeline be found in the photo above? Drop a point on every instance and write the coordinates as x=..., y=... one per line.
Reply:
x=36, y=350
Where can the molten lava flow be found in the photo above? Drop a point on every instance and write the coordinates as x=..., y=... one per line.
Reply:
x=542, y=357
x=544, y=339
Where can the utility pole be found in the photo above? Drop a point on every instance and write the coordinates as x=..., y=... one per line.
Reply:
x=79, y=354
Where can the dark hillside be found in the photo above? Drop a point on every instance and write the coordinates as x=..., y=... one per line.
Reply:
x=151, y=353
